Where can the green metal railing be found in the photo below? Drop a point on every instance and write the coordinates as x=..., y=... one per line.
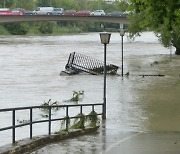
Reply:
x=49, y=120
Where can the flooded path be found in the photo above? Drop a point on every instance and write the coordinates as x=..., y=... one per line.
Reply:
x=30, y=67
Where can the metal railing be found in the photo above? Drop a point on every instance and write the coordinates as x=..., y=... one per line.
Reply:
x=79, y=62
x=49, y=120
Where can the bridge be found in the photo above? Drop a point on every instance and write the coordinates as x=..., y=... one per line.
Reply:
x=27, y=18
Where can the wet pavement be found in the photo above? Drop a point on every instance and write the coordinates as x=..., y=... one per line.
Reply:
x=114, y=141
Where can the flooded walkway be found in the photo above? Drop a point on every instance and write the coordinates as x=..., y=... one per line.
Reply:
x=30, y=68
x=159, y=116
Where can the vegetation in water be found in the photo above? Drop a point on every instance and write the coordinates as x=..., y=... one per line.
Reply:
x=92, y=118
x=79, y=122
x=76, y=96
x=23, y=121
x=65, y=124
x=159, y=62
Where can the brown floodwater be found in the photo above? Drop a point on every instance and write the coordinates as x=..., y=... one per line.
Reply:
x=162, y=97
x=30, y=68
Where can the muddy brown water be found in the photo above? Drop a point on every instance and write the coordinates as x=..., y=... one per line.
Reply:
x=29, y=75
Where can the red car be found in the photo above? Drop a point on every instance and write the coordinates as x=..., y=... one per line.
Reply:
x=69, y=12
x=5, y=11
x=83, y=13
x=18, y=11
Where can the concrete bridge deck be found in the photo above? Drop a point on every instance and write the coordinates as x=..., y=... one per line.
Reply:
x=20, y=18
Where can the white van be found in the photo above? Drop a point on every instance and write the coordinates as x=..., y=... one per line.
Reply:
x=43, y=10
x=98, y=13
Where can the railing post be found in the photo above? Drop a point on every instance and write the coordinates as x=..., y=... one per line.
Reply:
x=93, y=108
x=14, y=126
x=30, y=123
x=67, y=118
x=49, y=120
x=81, y=109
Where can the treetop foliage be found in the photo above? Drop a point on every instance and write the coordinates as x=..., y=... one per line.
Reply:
x=163, y=17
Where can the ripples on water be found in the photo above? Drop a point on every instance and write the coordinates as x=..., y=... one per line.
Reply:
x=30, y=67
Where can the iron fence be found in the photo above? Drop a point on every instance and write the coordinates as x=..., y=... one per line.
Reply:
x=30, y=122
x=78, y=62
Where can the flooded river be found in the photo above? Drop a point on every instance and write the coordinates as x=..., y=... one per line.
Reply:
x=30, y=68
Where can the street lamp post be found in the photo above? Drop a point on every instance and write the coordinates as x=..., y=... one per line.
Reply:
x=122, y=32
x=105, y=38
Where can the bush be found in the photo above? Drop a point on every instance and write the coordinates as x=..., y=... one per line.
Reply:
x=46, y=28
x=17, y=28
x=3, y=30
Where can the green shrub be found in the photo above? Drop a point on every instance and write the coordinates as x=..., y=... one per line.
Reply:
x=17, y=28
x=46, y=27
x=3, y=30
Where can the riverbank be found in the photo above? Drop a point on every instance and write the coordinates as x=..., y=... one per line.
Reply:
x=54, y=28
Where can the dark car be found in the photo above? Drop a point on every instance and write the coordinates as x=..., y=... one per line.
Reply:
x=116, y=13
x=83, y=13
x=29, y=12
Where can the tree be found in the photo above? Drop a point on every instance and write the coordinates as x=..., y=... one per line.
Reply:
x=163, y=17
x=44, y=3
x=26, y=4
x=17, y=28
x=6, y=3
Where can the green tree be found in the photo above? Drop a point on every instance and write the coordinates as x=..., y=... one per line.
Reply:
x=6, y=3
x=17, y=28
x=46, y=27
x=163, y=17
x=44, y=3
x=26, y=4
x=69, y=4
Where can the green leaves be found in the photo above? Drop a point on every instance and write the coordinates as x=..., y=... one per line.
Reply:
x=161, y=16
x=17, y=28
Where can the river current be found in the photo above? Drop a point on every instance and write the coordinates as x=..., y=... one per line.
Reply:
x=30, y=69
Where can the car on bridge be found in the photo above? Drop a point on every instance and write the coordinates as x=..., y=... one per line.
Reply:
x=83, y=13
x=116, y=13
x=98, y=13
x=18, y=11
x=58, y=11
x=29, y=12
x=5, y=11
x=69, y=12
x=43, y=10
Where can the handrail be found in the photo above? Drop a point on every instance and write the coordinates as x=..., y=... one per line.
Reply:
x=49, y=120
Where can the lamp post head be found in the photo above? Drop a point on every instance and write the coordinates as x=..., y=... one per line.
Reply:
x=122, y=32
x=105, y=37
